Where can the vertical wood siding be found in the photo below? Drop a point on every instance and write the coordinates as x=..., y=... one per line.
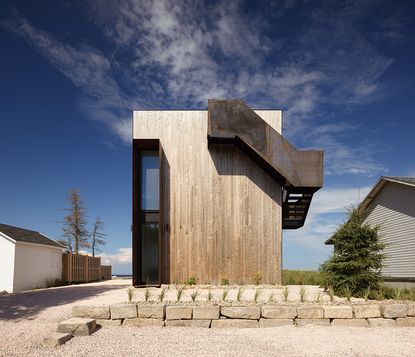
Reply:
x=222, y=210
x=393, y=209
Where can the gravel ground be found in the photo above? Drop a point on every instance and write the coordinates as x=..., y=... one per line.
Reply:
x=26, y=318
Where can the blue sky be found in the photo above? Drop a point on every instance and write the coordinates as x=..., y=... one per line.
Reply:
x=72, y=71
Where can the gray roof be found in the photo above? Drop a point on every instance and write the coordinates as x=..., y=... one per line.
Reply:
x=403, y=179
x=26, y=235
x=375, y=190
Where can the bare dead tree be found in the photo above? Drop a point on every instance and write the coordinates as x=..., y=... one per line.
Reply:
x=74, y=225
x=97, y=236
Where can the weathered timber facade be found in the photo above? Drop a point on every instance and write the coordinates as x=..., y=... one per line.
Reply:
x=221, y=201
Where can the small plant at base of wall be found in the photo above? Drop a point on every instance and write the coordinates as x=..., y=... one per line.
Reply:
x=194, y=295
x=285, y=293
x=130, y=293
x=239, y=294
x=256, y=278
x=225, y=294
x=224, y=281
x=162, y=294
x=179, y=293
x=191, y=281
x=146, y=295
x=257, y=294
x=303, y=293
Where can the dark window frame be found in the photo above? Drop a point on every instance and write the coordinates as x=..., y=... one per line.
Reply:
x=140, y=145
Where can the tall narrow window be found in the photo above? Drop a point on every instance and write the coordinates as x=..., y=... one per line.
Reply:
x=149, y=216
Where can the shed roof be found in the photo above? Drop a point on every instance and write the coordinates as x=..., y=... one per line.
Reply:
x=405, y=180
x=28, y=236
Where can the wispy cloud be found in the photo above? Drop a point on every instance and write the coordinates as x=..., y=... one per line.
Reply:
x=181, y=53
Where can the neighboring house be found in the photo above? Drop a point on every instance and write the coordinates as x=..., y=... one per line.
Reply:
x=212, y=191
x=391, y=205
x=28, y=259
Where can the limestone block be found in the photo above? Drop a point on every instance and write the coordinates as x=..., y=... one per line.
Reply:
x=310, y=312
x=338, y=312
x=394, y=310
x=278, y=312
x=411, y=309
x=241, y=312
x=123, y=311
x=234, y=323
x=56, y=339
x=139, y=322
x=316, y=322
x=188, y=323
x=275, y=322
x=151, y=311
x=94, y=312
x=350, y=322
x=206, y=312
x=109, y=323
x=379, y=322
x=78, y=326
x=366, y=311
x=405, y=322
x=179, y=312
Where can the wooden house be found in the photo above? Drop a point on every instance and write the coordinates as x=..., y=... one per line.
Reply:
x=212, y=191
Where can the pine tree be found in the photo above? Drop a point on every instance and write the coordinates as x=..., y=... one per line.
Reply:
x=74, y=225
x=97, y=236
x=357, y=259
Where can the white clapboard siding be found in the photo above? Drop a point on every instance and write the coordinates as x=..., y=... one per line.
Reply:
x=393, y=209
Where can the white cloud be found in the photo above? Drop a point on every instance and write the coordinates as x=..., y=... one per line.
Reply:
x=122, y=257
x=182, y=53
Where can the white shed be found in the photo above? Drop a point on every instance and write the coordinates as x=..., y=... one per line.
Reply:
x=28, y=259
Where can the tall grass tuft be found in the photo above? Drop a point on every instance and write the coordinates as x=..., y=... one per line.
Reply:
x=239, y=294
x=302, y=277
x=347, y=293
x=285, y=293
x=130, y=293
x=146, y=295
x=318, y=298
x=225, y=294
x=257, y=294
x=303, y=293
x=209, y=295
x=194, y=295
x=366, y=294
x=179, y=293
x=271, y=297
x=162, y=294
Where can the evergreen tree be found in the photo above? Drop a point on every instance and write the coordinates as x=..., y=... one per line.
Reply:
x=74, y=225
x=357, y=259
x=97, y=236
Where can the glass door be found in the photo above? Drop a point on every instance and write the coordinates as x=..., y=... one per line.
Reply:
x=149, y=216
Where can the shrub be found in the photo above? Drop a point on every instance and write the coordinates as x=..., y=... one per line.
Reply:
x=256, y=278
x=357, y=259
x=224, y=281
x=191, y=281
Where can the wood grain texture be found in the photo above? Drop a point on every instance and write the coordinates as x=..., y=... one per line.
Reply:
x=222, y=212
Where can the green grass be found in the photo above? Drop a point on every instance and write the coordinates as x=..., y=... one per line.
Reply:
x=302, y=277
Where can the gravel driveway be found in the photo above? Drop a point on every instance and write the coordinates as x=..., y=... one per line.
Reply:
x=26, y=318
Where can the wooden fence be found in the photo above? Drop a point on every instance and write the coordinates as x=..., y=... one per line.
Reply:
x=106, y=272
x=77, y=268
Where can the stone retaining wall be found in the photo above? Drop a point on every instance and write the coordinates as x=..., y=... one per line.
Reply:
x=269, y=315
